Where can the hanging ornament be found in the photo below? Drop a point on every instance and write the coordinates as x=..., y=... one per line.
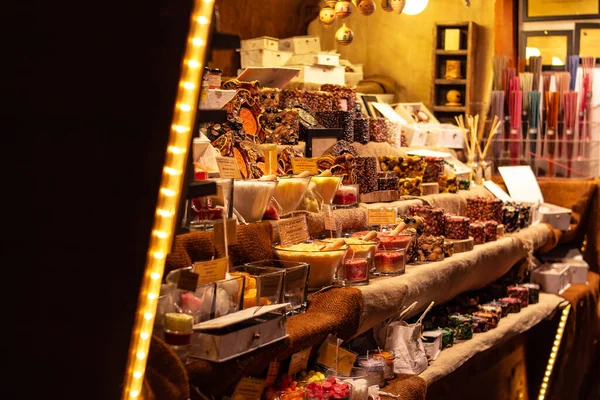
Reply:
x=344, y=35
x=330, y=3
x=327, y=16
x=366, y=7
x=398, y=5
x=386, y=5
x=343, y=9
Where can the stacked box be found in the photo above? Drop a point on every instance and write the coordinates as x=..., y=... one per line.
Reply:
x=433, y=216
x=520, y=293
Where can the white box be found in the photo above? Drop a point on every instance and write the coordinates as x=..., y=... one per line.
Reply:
x=353, y=78
x=552, y=278
x=263, y=42
x=301, y=44
x=578, y=270
x=319, y=74
x=232, y=335
x=332, y=59
x=405, y=110
x=264, y=58
x=433, y=348
x=523, y=187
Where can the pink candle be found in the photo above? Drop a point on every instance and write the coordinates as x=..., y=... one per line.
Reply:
x=356, y=269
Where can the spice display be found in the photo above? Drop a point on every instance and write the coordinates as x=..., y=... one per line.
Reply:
x=343, y=96
x=390, y=261
x=281, y=127
x=289, y=191
x=434, y=168
x=361, y=130
x=377, y=129
x=410, y=186
x=338, y=119
x=366, y=174
x=430, y=248
x=375, y=369
x=534, y=292
x=448, y=184
x=323, y=261
x=309, y=100
x=484, y=209
x=519, y=292
x=457, y=227
x=387, y=181
x=491, y=230
x=268, y=99
x=388, y=356
x=462, y=325
x=513, y=305
x=477, y=232
x=433, y=217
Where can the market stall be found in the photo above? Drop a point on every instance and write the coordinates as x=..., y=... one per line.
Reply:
x=332, y=244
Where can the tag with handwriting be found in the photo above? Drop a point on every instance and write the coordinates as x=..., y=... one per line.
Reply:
x=228, y=168
x=210, y=271
x=327, y=357
x=381, y=216
x=293, y=230
x=300, y=165
x=249, y=389
x=299, y=361
x=328, y=217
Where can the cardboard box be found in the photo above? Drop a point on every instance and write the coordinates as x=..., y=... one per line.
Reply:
x=264, y=58
x=263, y=42
x=301, y=44
x=331, y=59
x=232, y=335
x=552, y=278
x=523, y=187
x=319, y=74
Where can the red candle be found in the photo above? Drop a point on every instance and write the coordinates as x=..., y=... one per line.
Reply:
x=389, y=262
x=394, y=242
x=356, y=269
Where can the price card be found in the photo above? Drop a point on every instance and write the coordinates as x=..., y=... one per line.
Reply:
x=272, y=373
x=219, y=235
x=249, y=389
x=299, y=361
x=300, y=165
x=329, y=217
x=327, y=357
x=210, y=271
x=293, y=230
x=381, y=216
x=228, y=168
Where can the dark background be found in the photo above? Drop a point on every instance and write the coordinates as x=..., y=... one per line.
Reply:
x=87, y=93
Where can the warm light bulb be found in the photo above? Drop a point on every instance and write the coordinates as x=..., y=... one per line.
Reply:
x=414, y=7
x=202, y=20
x=198, y=42
x=144, y=335
x=160, y=234
x=134, y=394
x=137, y=374
x=172, y=171
x=167, y=192
x=141, y=355
x=155, y=275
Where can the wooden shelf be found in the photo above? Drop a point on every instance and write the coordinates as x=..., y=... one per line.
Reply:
x=450, y=81
x=451, y=52
x=449, y=108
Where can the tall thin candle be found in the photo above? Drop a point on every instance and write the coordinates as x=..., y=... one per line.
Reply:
x=570, y=118
x=552, y=105
x=534, y=121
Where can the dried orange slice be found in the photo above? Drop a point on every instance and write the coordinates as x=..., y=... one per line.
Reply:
x=241, y=163
x=249, y=121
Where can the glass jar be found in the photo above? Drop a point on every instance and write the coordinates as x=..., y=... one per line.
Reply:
x=390, y=261
x=487, y=168
x=375, y=369
x=476, y=170
x=354, y=271
x=358, y=379
x=388, y=356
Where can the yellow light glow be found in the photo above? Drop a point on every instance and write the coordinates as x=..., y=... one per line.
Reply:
x=198, y=42
x=179, y=141
x=414, y=7
x=554, y=352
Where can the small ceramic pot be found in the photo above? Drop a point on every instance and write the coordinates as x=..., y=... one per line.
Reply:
x=398, y=5
x=453, y=97
x=327, y=16
x=343, y=9
x=366, y=7
x=344, y=35
x=386, y=5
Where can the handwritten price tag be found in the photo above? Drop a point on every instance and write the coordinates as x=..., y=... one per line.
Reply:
x=328, y=217
x=381, y=216
x=300, y=165
x=293, y=230
x=299, y=361
x=210, y=271
x=228, y=168
x=249, y=389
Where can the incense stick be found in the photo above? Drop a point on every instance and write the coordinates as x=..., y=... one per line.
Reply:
x=497, y=109
x=572, y=66
x=535, y=67
x=570, y=108
x=534, y=121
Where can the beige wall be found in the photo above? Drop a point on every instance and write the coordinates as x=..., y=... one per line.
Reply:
x=401, y=46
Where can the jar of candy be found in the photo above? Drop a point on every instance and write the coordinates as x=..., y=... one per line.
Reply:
x=388, y=356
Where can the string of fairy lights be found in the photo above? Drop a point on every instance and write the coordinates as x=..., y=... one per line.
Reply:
x=169, y=195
